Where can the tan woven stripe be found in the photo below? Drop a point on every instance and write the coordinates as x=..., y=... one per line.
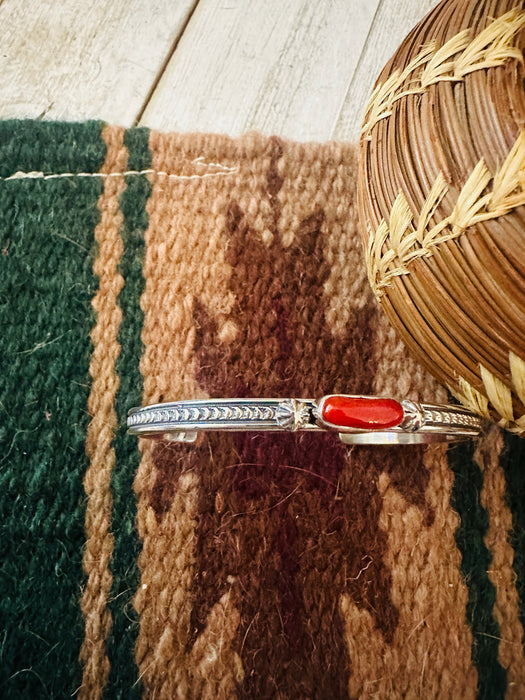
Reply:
x=399, y=375
x=184, y=261
x=458, y=57
x=101, y=430
x=209, y=679
x=164, y=596
x=430, y=655
x=347, y=289
x=424, y=562
x=501, y=573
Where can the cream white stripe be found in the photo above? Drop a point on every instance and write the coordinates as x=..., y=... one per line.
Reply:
x=39, y=175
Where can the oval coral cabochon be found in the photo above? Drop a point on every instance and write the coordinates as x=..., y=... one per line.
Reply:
x=362, y=412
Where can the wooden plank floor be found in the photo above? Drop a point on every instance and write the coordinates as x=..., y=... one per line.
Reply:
x=299, y=68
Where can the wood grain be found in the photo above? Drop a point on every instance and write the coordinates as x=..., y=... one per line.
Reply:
x=280, y=66
x=392, y=22
x=78, y=60
x=293, y=67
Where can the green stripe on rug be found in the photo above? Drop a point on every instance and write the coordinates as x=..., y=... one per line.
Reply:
x=123, y=674
x=476, y=560
x=513, y=464
x=46, y=287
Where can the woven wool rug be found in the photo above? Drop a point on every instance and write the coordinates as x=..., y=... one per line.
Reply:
x=139, y=267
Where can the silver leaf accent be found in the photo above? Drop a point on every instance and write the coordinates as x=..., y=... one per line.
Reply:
x=285, y=415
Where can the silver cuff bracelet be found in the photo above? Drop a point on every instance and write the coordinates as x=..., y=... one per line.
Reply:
x=356, y=419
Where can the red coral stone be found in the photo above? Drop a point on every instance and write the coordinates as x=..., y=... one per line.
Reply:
x=367, y=413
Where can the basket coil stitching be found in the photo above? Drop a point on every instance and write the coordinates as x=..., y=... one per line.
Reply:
x=394, y=245
x=458, y=57
x=498, y=393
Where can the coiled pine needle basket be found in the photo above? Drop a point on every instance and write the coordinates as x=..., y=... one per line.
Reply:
x=442, y=200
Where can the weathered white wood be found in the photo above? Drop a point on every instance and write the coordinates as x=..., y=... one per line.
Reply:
x=299, y=68
x=78, y=59
x=392, y=22
x=279, y=66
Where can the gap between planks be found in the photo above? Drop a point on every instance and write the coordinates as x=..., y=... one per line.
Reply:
x=165, y=63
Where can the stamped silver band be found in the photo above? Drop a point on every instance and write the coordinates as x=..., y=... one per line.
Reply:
x=358, y=419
